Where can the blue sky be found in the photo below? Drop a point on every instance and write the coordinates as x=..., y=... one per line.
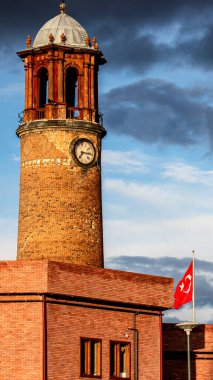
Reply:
x=156, y=93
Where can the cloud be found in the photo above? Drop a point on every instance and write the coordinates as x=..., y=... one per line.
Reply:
x=168, y=196
x=15, y=158
x=174, y=267
x=155, y=236
x=182, y=172
x=197, y=49
x=146, y=12
x=160, y=266
x=118, y=28
x=156, y=111
x=125, y=162
x=8, y=238
x=154, y=194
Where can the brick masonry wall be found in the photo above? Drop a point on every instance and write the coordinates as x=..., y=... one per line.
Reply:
x=84, y=281
x=175, y=358
x=110, y=285
x=21, y=350
x=21, y=341
x=70, y=229
x=23, y=277
x=22, y=322
x=66, y=324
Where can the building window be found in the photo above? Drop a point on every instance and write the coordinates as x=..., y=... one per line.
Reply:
x=90, y=357
x=119, y=360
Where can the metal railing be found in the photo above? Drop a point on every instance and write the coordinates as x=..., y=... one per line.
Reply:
x=79, y=113
x=21, y=117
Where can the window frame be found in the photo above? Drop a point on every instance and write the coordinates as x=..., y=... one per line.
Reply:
x=117, y=364
x=99, y=358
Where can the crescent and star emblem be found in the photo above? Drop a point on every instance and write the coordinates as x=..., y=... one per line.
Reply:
x=182, y=285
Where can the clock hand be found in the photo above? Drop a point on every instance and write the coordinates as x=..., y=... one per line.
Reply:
x=82, y=152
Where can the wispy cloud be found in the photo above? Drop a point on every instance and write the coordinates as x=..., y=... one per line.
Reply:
x=126, y=162
x=154, y=194
x=157, y=237
x=14, y=157
x=8, y=238
x=182, y=172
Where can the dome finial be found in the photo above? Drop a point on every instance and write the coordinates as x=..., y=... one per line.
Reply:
x=63, y=7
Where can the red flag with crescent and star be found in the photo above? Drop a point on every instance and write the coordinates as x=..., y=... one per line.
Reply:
x=184, y=290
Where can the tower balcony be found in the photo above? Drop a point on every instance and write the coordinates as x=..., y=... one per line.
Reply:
x=60, y=112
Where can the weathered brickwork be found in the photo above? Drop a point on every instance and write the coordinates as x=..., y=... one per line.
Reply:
x=175, y=354
x=60, y=203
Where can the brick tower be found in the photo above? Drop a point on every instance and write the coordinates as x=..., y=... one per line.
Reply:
x=60, y=214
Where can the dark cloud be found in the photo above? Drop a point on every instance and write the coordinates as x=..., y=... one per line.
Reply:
x=162, y=266
x=116, y=25
x=157, y=111
x=150, y=110
x=21, y=15
x=170, y=267
x=127, y=32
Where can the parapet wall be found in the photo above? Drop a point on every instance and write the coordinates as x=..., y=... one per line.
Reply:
x=85, y=281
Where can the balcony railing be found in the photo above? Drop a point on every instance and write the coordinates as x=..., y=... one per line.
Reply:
x=71, y=113
x=40, y=113
x=21, y=117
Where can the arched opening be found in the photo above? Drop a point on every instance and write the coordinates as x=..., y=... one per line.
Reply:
x=71, y=87
x=43, y=95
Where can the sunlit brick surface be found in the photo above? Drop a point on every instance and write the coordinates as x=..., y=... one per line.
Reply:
x=60, y=214
x=46, y=307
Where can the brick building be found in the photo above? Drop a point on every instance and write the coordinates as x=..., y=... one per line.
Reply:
x=66, y=321
x=175, y=356
x=63, y=316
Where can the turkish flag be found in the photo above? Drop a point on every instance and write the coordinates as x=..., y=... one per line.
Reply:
x=184, y=290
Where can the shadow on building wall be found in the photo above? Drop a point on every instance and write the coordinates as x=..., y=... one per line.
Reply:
x=175, y=353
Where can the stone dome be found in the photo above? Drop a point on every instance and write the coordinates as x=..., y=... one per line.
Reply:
x=75, y=34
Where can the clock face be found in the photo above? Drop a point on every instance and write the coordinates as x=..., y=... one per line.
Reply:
x=84, y=151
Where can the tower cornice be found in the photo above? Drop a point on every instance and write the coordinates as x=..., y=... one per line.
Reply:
x=53, y=47
x=62, y=125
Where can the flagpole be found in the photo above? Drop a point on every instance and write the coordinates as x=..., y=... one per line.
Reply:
x=193, y=282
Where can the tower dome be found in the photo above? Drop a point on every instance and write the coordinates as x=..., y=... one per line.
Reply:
x=61, y=29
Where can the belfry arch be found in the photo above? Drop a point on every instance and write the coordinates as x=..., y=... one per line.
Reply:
x=71, y=87
x=43, y=87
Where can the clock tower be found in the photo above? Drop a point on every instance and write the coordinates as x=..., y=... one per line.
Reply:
x=60, y=131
